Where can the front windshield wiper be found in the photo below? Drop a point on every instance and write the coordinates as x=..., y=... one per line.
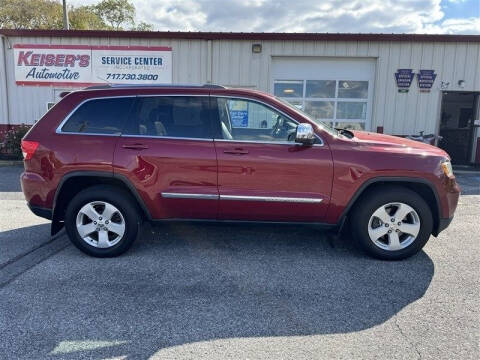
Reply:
x=345, y=132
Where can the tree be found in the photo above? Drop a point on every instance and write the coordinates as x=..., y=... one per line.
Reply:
x=31, y=14
x=48, y=14
x=85, y=18
x=143, y=26
x=116, y=13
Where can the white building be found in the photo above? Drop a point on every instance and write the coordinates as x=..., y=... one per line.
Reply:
x=397, y=84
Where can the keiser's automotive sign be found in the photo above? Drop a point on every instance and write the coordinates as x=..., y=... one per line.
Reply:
x=83, y=65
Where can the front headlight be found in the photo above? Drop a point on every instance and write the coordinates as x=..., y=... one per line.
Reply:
x=447, y=168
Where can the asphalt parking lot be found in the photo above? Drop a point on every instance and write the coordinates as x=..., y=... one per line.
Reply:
x=236, y=292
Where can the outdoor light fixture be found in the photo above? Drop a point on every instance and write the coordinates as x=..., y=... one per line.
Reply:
x=257, y=48
x=288, y=91
x=461, y=83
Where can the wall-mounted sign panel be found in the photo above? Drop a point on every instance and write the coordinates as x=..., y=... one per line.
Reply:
x=425, y=80
x=83, y=65
x=404, y=79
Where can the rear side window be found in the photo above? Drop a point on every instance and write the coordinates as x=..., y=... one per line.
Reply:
x=170, y=116
x=99, y=116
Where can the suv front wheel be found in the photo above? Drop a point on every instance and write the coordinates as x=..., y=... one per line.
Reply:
x=102, y=221
x=391, y=222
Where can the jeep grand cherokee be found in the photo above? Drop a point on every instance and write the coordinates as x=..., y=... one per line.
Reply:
x=105, y=158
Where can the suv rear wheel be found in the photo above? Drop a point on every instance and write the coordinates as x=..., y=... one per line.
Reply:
x=392, y=223
x=102, y=221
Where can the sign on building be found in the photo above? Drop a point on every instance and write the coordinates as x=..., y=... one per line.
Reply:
x=425, y=79
x=83, y=65
x=404, y=79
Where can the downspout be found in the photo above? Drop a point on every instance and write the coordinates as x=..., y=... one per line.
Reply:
x=3, y=72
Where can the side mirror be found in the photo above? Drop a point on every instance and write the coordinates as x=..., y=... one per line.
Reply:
x=305, y=134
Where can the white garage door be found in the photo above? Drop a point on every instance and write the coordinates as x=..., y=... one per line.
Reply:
x=337, y=91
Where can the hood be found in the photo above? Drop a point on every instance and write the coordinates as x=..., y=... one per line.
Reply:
x=396, y=144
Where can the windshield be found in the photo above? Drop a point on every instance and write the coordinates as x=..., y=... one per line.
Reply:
x=321, y=124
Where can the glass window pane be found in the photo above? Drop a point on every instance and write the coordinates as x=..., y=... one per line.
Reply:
x=178, y=116
x=353, y=89
x=351, y=110
x=320, y=109
x=101, y=116
x=320, y=88
x=288, y=88
x=351, y=125
x=297, y=103
x=249, y=120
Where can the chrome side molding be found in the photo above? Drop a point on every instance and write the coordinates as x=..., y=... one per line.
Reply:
x=271, y=199
x=169, y=195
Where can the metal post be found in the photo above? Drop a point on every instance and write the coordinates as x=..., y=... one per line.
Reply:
x=5, y=114
x=209, y=62
x=66, y=26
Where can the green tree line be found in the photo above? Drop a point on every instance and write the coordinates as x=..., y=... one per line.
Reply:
x=48, y=14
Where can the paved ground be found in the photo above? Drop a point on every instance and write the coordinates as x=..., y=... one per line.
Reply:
x=235, y=292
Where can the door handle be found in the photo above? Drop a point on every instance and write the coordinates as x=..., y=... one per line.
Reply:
x=236, y=151
x=135, y=146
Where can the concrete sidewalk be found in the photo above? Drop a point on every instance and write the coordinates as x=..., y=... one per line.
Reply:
x=469, y=182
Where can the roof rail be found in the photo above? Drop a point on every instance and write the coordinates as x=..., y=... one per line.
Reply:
x=120, y=86
x=213, y=86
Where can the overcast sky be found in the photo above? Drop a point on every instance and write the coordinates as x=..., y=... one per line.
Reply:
x=385, y=16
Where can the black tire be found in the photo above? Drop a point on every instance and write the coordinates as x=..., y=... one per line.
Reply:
x=117, y=197
x=373, y=199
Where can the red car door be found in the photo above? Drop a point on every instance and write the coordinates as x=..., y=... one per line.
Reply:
x=262, y=173
x=167, y=152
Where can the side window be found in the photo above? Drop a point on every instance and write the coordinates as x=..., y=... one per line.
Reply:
x=249, y=120
x=171, y=116
x=99, y=116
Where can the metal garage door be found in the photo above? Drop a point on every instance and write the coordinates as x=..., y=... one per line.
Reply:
x=337, y=91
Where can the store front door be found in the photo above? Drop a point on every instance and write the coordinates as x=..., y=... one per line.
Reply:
x=457, y=125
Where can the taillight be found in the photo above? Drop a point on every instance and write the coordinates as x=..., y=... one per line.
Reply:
x=28, y=149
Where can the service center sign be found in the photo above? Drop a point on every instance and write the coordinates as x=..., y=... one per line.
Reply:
x=83, y=65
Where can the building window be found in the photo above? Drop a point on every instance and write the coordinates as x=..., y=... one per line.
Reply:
x=289, y=89
x=320, y=88
x=341, y=103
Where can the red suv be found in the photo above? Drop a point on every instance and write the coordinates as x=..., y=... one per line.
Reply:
x=105, y=158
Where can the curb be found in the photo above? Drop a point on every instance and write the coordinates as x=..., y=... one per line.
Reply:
x=468, y=172
x=11, y=162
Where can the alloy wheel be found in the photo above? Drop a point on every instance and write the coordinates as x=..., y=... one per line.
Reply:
x=394, y=226
x=100, y=224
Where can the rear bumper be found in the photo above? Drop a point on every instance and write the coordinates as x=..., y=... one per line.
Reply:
x=36, y=189
x=42, y=212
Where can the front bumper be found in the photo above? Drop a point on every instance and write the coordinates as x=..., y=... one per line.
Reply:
x=442, y=225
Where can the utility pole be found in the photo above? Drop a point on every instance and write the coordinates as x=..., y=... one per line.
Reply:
x=66, y=26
